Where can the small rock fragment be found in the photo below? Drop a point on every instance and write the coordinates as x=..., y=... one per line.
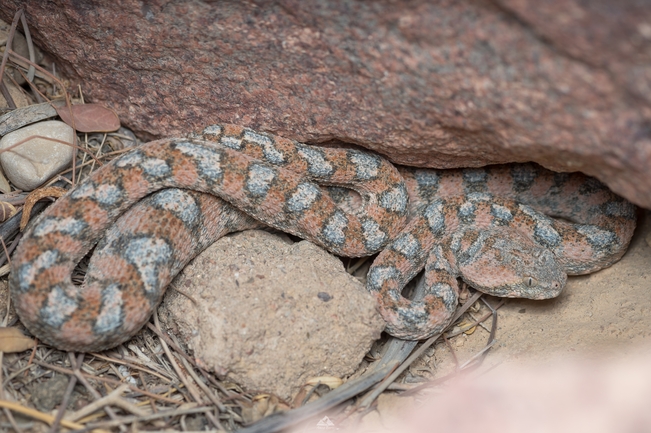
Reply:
x=253, y=310
x=30, y=164
x=49, y=393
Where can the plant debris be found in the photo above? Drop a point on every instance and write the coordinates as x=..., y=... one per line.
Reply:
x=89, y=117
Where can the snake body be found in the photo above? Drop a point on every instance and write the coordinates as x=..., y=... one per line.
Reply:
x=268, y=176
x=483, y=225
x=493, y=227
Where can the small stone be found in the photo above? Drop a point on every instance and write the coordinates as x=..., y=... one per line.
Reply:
x=48, y=394
x=30, y=164
x=252, y=308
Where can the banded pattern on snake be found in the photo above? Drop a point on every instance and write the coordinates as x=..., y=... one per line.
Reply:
x=479, y=227
x=493, y=228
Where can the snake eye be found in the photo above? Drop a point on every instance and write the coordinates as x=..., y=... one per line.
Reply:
x=530, y=281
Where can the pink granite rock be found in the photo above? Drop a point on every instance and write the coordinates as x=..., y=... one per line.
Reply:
x=441, y=84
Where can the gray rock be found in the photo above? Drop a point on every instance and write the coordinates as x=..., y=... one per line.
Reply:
x=30, y=164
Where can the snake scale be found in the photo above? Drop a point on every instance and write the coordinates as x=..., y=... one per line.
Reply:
x=153, y=209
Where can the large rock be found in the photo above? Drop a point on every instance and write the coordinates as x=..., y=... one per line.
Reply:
x=268, y=314
x=442, y=84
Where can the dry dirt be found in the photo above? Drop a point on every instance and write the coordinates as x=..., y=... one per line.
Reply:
x=268, y=313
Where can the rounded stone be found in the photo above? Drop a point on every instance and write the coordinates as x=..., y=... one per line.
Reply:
x=33, y=162
x=268, y=314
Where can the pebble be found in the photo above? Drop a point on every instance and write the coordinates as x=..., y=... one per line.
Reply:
x=30, y=164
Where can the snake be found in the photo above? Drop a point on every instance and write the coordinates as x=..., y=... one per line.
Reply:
x=150, y=211
x=514, y=230
x=276, y=179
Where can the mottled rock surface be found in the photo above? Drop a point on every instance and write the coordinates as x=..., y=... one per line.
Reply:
x=444, y=84
x=269, y=314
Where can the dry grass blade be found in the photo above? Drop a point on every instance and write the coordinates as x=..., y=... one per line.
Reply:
x=348, y=390
x=113, y=399
x=30, y=47
x=477, y=355
x=194, y=392
x=35, y=414
x=211, y=396
x=158, y=374
x=189, y=385
x=10, y=38
x=466, y=366
x=50, y=191
x=463, y=329
x=169, y=342
x=141, y=419
x=358, y=263
x=106, y=380
x=72, y=381
x=369, y=399
x=41, y=73
x=6, y=93
x=7, y=253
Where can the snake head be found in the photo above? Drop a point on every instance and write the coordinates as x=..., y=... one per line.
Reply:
x=509, y=264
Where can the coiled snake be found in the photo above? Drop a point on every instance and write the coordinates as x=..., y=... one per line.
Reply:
x=487, y=226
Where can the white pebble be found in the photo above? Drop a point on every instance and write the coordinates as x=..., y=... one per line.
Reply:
x=30, y=164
